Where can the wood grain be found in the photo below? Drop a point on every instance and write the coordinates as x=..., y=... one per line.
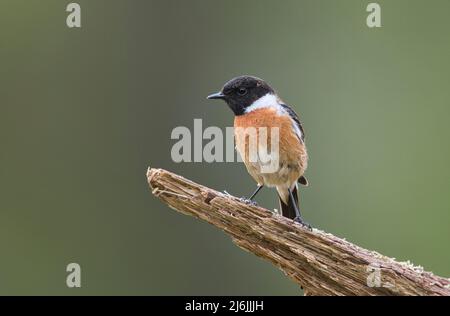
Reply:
x=319, y=262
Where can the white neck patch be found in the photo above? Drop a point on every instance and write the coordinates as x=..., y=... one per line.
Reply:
x=268, y=101
x=272, y=101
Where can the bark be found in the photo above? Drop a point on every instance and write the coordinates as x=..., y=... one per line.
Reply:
x=320, y=263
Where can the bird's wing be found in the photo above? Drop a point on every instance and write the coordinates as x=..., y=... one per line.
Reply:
x=302, y=180
x=296, y=120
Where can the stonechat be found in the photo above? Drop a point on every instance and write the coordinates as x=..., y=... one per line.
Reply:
x=256, y=105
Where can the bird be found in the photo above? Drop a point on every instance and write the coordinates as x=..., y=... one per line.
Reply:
x=255, y=104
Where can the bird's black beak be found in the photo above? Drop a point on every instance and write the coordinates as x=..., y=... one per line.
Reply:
x=216, y=96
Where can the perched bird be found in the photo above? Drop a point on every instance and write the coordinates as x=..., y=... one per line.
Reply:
x=256, y=105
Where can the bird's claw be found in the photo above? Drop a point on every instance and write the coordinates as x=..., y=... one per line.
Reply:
x=247, y=201
x=299, y=220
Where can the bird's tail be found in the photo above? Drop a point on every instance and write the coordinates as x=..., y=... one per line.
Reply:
x=288, y=209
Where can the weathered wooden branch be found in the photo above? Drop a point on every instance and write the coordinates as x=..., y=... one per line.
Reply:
x=321, y=263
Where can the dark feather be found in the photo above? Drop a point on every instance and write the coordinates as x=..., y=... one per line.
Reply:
x=295, y=118
x=288, y=210
x=303, y=181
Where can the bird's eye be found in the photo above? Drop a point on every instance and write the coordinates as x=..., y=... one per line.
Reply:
x=242, y=91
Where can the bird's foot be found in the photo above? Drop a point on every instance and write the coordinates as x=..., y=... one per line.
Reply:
x=248, y=201
x=299, y=220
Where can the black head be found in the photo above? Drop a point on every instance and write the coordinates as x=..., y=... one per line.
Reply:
x=239, y=93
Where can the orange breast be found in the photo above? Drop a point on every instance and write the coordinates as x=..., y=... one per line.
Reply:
x=292, y=150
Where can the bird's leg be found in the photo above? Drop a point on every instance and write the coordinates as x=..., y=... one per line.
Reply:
x=250, y=200
x=298, y=217
x=260, y=186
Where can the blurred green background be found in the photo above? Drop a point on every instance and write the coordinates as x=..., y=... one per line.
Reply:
x=85, y=111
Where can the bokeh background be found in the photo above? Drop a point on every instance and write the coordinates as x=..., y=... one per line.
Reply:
x=84, y=112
